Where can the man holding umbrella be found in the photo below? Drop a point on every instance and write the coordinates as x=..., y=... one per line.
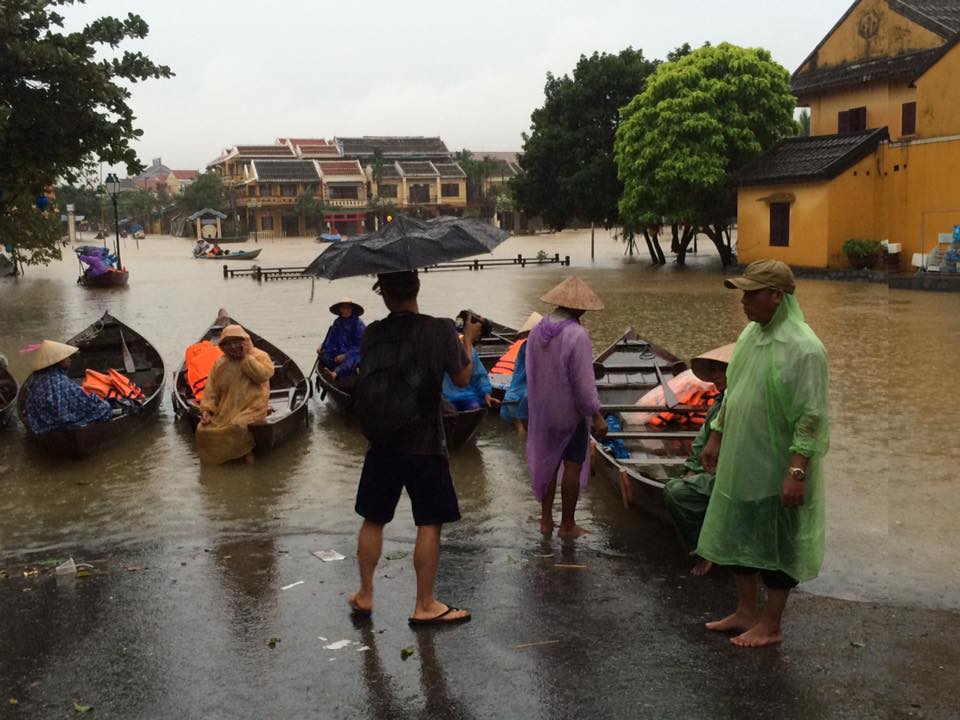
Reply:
x=397, y=399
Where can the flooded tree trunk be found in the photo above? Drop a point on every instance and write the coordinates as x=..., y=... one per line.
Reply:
x=689, y=233
x=653, y=244
x=722, y=242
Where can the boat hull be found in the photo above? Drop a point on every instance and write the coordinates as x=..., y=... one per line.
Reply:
x=245, y=255
x=8, y=396
x=114, y=278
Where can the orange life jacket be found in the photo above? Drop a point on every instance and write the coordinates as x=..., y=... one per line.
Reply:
x=200, y=358
x=692, y=398
x=111, y=384
x=508, y=360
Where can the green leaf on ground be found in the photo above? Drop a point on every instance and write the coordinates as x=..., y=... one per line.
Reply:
x=858, y=643
x=272, y=642
x=398, y=555
x=82, y=708
x=13, y=701
x=406, y=652
x=50, y=562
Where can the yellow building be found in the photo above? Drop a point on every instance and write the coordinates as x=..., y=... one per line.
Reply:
x=883, y=158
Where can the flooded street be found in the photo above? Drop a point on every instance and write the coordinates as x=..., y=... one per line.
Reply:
x=218, y=543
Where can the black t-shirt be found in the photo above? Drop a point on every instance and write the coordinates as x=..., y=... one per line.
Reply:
x=438, y=346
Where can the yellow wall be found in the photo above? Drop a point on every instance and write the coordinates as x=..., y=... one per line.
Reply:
x=894, y=35
x=884, y=105
x=938, y=97
x=808, y=231
x=853, y=208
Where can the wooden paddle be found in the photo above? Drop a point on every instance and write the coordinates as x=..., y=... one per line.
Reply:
x=128, y=364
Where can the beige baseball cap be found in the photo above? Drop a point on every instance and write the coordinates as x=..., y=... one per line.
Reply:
x=771, y=274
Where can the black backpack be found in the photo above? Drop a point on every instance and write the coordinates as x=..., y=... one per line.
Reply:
x=389, y=394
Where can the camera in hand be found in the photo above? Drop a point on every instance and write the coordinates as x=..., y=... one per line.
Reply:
x=486, y=328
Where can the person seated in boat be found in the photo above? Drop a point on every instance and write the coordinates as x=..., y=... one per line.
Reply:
x=478, y=392
x=201, y=248
x=340, y=350
x=54, y=401
x=687, y=497
x=514, y=361
x=236, y=394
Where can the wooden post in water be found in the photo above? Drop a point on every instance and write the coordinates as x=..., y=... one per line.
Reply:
x=225, y=275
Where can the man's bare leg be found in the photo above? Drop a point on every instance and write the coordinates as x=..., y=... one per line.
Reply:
x=546, y=508
x=369, y=547
x=426, y=560
x=747, y=613
x=768, y=630
x=569, y=494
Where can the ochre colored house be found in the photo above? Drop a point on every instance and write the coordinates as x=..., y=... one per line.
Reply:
x=883, y=158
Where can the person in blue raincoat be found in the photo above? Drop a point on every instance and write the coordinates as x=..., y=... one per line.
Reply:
x=340, y=351
x=477, y=394
x=54, y=401
x=514, y=408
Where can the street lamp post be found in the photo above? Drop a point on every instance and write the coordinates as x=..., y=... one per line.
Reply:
x=113, y=187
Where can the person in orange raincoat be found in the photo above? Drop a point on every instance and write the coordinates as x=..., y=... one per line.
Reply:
x=237, y=394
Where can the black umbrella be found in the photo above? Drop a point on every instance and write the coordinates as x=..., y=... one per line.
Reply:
x=407, y=244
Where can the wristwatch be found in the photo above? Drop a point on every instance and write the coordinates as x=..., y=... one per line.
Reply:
x=798, y=473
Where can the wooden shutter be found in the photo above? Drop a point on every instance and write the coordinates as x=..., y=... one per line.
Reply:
x=843, y=122
x=858, y=119
x=909, y=119
x=779, y=224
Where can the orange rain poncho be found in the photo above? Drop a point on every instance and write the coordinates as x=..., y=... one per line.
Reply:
x=237, y=394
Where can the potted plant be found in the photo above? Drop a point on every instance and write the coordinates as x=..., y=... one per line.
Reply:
x=862, y=254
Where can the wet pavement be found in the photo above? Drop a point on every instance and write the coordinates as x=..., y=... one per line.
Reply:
x=189, y=562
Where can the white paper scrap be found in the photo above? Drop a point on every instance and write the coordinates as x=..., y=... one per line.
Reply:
x=292, y=585
x=328, y=555
x=338, y=645
x=363, y=648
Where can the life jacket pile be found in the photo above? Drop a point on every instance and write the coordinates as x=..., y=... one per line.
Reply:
x=705, y=398
x=199, y=359
x=111, y=385
x=508, y=361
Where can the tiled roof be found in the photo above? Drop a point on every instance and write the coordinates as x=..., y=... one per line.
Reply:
x=264, y=150
x=302, y=141
x=449, y=170
x=502, y=168
x=285, y=170
x=809, y=159
x=417, y=169
x=185, y=174
x=341, y=168
x=906, y=67
x=390, y=170
x=393, y=146
x=318, y=151
x=939, y=16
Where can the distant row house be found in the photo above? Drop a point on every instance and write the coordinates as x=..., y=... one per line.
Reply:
x=350, y=178
x=158, y=175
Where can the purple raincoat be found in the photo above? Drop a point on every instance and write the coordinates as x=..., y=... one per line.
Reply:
x=561, y=392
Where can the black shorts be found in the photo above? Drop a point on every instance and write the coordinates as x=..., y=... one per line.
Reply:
x=576, y=449
x=773, y=579
x=427, y=480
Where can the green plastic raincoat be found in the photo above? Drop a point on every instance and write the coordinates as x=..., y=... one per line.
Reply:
x=775, y=405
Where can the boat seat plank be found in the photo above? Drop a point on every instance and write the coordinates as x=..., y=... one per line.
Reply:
x=650, y=460
x=653, y=435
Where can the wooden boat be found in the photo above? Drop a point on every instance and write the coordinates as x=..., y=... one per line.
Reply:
x=491, y=348
x=289, y=393
x=8, y=395
x=459, y=427
x=101, y=348
x=328, y=237
x=114, y=278
x=242, y=255
x=626, y=372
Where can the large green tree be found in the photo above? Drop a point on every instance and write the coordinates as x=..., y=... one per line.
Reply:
x=568, y=168
x=205, y=192
x=683, y=139
x=63, y=106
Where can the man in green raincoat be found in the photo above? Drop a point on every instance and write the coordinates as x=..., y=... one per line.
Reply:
x=765, y=519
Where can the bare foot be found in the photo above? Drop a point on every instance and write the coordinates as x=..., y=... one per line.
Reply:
x=361, y=604
x=573, y=533
x=701, y=568
x=738, y=621
x=760, y=635
x=546, y=526
x=248, y=458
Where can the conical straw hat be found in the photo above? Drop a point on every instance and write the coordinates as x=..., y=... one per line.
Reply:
x=531, y=322
x=50, y=353
x=701, y=364
x=575, y=294
x=357, y=307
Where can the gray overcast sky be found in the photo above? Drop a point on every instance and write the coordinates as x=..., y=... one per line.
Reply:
x=469, y=72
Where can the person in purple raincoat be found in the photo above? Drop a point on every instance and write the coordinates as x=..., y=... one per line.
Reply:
x=563, y=404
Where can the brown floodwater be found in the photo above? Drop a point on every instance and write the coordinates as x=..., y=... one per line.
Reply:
x=893, y=496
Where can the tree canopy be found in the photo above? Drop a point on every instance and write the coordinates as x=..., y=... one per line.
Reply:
x=63, y=107
x=568, y=168
x=205, y=192
x=683, y=139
